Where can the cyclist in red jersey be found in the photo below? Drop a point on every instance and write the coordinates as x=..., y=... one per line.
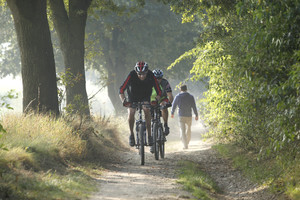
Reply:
x=138, y=86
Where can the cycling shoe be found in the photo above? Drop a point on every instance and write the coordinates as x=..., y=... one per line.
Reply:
x=131, y=140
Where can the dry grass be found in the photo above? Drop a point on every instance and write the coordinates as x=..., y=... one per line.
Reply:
x=49, y=158
x=43, y=134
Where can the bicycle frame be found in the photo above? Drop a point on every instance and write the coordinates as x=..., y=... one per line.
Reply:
x=141, y=139
x=157, y=132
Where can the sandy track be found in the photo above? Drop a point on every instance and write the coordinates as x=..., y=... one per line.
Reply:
x=128, y=180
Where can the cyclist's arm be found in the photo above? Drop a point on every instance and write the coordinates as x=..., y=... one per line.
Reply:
x=168, y=90
x=124, y=86
x=157, y=88
x=122, y=97
x=170, y=96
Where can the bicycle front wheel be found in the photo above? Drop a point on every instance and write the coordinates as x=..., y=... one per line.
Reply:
x=155, y=141
x=161, y=139
x=142, y=143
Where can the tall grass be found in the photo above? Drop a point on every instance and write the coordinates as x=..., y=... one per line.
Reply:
x=38, y=161
x=42, y=134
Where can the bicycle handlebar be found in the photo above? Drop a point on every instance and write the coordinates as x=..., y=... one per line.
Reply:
x=137, y=104
x=155, y=104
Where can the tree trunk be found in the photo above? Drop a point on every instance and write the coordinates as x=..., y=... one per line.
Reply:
x=71, y=33
x=115, y=69
x=38, y=66
x=114, y=82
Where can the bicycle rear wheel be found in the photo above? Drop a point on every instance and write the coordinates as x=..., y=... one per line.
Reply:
x=142, y=143
x=161, y=142
x=155, y=141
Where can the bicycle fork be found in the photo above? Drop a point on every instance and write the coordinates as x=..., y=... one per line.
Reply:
x=137, y=133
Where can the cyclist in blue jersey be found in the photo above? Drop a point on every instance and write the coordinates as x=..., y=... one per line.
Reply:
x=166, y=97
x=138, y=85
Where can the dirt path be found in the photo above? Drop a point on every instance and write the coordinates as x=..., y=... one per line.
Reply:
x=128, y=180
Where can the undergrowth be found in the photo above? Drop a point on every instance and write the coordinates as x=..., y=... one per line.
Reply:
x=281, y=176
x=49, y=158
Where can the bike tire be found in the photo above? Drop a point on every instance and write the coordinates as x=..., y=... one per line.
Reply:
x=155, y=141
x=142, y=143
x=161, y=142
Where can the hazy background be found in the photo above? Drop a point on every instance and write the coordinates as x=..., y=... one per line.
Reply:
x=167, y=39
x=101, y=105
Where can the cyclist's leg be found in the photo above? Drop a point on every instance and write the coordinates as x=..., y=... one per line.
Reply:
x=148, y=121
x=164, y=112
x=131, y=112
x=165, y=116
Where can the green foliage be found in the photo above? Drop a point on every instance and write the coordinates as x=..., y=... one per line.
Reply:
x=4, y=104
x=252, y=62
x=159, y=40
x=9, y=55
x=249, y=50
x=4, y=99
x=69, y=79
x=119, y=7
x=75, y=108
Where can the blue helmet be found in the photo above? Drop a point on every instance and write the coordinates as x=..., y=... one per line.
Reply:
x=158, y=73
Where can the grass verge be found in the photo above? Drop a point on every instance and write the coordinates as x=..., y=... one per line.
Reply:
x=48, y=158
x=281, y=177
x=196, y=181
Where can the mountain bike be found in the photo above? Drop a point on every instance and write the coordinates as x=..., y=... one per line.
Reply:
x=157, y=130
x=140, y=124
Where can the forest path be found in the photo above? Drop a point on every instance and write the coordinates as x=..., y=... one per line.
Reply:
x=128, y=180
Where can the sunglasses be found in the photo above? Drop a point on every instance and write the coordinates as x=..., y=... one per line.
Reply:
x=142, y=74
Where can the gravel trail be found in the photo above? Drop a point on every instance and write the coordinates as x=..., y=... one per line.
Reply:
x=126, y=179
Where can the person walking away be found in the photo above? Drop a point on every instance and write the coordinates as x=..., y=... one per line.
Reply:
x=186, y=103
x=166, y=97
x=138, y=86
